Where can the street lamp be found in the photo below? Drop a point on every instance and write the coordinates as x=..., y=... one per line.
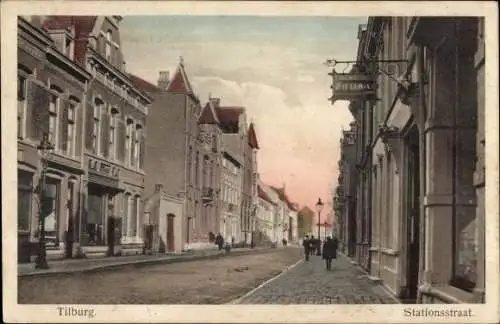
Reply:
x=45, y=148
x=319, y=208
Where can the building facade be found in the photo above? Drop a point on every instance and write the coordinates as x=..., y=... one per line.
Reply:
x=420, y=158
x=264, y=234
x=97, y=127
x=51, y=90
x=344, y=197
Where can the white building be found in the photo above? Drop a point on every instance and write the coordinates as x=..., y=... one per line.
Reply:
x=231, y=195
x=266, y=210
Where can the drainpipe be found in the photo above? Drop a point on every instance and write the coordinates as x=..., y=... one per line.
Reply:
x=423, y=167
x=369, y=187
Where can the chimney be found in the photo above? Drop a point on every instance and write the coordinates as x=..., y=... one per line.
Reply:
x=215, y=102
x=163, y=80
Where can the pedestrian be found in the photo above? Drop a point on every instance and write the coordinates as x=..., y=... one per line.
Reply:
x=330, y=251
x=312, y=244
x=307, y=247
x=219, y=240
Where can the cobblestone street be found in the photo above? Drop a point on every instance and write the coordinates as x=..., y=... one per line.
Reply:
x=215, y=281
x=310, y=283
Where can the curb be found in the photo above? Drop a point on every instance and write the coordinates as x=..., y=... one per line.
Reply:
x=237, y=300
x=140, y=263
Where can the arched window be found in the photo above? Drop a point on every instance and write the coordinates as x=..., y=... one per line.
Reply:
x=113, y=123
x=71, y=125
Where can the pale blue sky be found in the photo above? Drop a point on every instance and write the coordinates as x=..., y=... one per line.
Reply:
x=271, y=65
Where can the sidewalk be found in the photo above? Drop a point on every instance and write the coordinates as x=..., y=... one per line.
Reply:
x=102, y=263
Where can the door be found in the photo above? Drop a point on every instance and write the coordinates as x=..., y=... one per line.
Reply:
x=413, y=216
x=170, y=233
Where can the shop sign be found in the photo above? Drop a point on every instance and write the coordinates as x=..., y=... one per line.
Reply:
x=349, y=86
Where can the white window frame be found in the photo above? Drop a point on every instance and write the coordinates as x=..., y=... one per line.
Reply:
x=96, y=133
x=72, y=120
x=107, y=45
x=21, y=112
x=54, y=104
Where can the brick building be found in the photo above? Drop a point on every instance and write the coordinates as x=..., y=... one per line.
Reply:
x=100, y=124
x=51, y=91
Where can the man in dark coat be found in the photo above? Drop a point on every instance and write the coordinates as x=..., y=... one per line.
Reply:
x=219, y=240
x=330, y=251
x=307, y=247
x=312, y=244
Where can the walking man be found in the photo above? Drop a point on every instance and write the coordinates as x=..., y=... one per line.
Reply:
x=312, y=244
x=330, y=252
x=307, y=247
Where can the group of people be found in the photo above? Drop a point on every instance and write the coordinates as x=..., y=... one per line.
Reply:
x=329, y=251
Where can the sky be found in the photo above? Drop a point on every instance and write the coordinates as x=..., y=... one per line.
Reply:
x=274, y=67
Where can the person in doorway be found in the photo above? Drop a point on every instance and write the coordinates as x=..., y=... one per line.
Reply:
x=219, y=241
x=307, y=247
x=312, y=244
x=330, y=252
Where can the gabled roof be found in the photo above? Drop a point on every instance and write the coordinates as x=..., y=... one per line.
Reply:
x=143, y=84
x=83, y=28
x=208, y=115
x=180, y=82
x=262, y=194
x=252, y=137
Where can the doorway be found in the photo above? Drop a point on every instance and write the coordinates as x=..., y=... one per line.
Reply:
x=412, y=216
x=170, y=233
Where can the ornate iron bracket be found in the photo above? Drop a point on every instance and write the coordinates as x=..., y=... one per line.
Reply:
x=395, y=70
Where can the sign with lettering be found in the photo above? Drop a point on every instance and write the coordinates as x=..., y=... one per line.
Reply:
x=357, y=85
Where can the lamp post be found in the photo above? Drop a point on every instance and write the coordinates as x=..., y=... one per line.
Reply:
x=319, y=208
x=45, y=148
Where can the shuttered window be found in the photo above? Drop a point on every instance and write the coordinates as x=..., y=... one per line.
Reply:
x=24, y=197
x=37, y=111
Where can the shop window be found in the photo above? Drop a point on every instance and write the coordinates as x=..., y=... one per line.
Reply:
x=95, y=219
x=52, y=219
x=24, y=199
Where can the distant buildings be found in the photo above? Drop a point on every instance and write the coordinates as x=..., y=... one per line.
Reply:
x=137, y=167
x=419, y=165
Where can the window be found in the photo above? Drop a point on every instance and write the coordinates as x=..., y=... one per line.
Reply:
x=71, y=128
x=108, y=41
x=134, y=215
x=128, y=142
x=197, y=169
x=53, y=122
x=125, y=214
x=21, y=105
x=52, y=219
x=189, y=165
x=112, y=133
x=95, y=129
x=137, y=144
x=24, y=197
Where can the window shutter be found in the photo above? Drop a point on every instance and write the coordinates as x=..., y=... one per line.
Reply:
x=142, y=151
x=63, y=125
x=105, y=135
x=89, y=126
x=120, y=140
x=37, y=111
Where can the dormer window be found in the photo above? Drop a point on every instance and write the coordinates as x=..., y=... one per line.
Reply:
x=68, y=47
